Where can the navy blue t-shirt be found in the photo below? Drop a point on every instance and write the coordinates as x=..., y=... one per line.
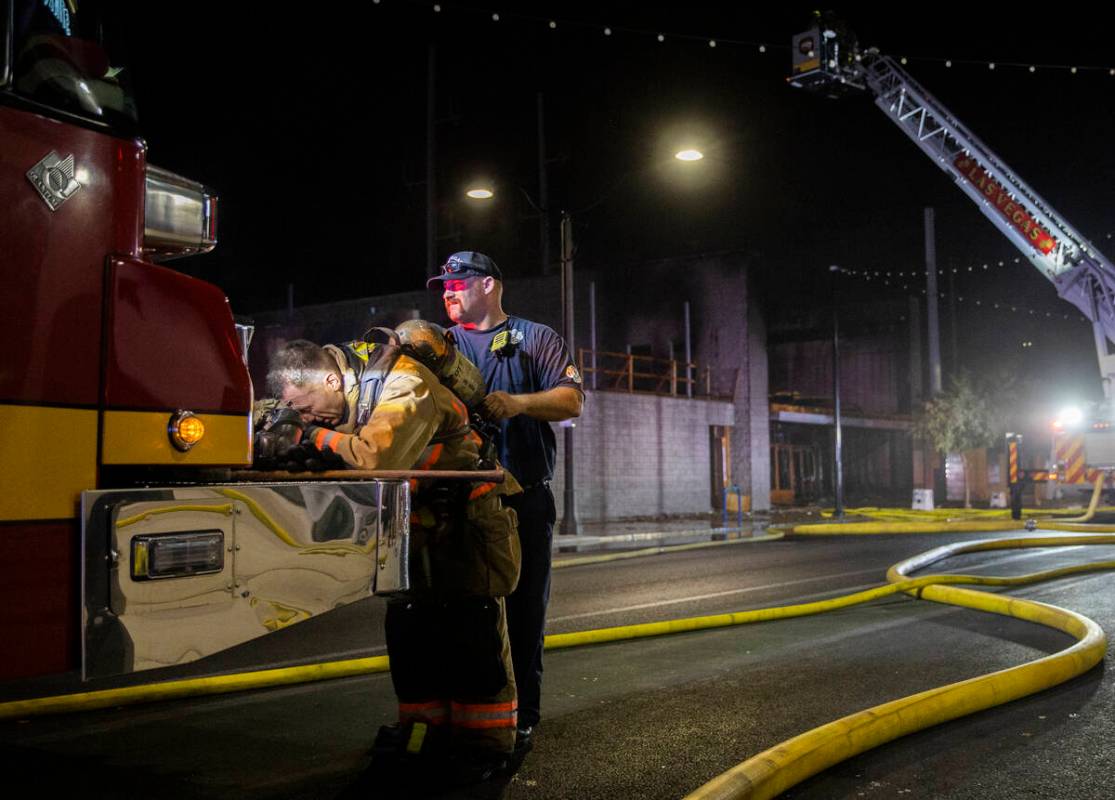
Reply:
x=521, y=357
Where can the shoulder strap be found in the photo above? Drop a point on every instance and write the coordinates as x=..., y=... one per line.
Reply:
x=371, y=363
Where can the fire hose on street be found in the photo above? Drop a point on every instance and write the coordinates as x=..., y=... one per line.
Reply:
x=778, y=768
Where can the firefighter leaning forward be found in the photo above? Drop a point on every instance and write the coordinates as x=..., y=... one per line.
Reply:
x=450, y=661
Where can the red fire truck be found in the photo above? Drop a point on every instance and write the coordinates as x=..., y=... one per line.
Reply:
x=122, y=382
x=103, y=346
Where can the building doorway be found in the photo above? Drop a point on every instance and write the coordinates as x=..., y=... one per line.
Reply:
x=795, y=471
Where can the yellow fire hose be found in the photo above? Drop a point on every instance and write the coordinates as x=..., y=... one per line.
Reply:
x=951, y=526
x=939, y=515
x=857, y=528
x=189, y=687
x=776, y=769
x=1097, y=492
x=784, y=765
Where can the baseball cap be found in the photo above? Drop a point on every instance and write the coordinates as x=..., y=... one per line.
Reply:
x=466, y=264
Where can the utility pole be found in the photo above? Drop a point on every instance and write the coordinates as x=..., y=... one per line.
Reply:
x=688, y=354
x=931, y=295
x=569, y=525
x=933, y=344
x=838, y=438
x=543, y=190
x=954, y=364
x=592, y=330
x=431, y=158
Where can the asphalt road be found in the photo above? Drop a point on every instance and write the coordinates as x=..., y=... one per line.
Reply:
x=650, y=718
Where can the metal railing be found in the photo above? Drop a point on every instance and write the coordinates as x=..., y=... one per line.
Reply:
x=641, y=374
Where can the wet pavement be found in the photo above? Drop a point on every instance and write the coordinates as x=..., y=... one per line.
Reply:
x=649, y=718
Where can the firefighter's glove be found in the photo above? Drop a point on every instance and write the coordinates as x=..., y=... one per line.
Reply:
x=487, y=431
x=279, y=431
x=311, y=433
x=307, y=456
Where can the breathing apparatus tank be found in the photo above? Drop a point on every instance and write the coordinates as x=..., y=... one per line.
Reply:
x=430, y=344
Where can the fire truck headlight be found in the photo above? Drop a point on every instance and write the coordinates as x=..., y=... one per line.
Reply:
x=180, y=216
x=1069, y=417
x=177, y=555
x=185, y=430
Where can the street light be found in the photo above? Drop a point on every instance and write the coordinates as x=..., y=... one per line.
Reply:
x=569, y=525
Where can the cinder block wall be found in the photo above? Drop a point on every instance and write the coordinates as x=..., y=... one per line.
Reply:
x=641, y=455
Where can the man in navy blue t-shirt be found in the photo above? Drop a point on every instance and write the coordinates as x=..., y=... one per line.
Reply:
x=532, y=381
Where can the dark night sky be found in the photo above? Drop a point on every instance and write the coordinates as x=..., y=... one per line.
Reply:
x=311, y=124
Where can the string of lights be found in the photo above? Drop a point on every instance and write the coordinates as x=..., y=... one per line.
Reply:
x=556, y=23
x=999, y=305
x=886, y=279
x=915, y=273
x=949, y=63
x=977, y=265
x=715, y=41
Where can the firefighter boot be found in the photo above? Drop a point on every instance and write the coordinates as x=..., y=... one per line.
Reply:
x=471, y=767
x=407, y=760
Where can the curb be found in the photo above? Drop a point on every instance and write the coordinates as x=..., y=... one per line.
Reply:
x=604, y=558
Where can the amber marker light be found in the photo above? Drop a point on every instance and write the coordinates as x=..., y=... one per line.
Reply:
x=185, y=430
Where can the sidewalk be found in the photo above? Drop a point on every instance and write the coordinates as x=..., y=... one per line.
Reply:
x=649, y=531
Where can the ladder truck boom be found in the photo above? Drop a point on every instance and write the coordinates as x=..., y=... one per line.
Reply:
x=827, y=59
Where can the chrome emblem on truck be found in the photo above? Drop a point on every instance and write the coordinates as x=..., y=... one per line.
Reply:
x=54, y=178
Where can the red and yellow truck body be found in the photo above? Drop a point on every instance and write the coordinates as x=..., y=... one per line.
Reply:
x=102, y=347
x=129, y=541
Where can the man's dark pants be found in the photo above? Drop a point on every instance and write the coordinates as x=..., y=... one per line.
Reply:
x=526, y=606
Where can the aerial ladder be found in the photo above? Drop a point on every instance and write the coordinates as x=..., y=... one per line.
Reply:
x=828, y=60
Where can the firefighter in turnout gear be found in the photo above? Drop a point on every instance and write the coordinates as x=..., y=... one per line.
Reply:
x=375, y=407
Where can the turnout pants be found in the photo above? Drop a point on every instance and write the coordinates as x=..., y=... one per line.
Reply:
x=451, y=668
x=526, y=606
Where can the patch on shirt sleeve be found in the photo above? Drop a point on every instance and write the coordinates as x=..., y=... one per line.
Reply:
x=572, y=373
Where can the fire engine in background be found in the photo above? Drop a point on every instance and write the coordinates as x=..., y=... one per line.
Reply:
x=124, y=391
x=828, y=59
x=1080, y=443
